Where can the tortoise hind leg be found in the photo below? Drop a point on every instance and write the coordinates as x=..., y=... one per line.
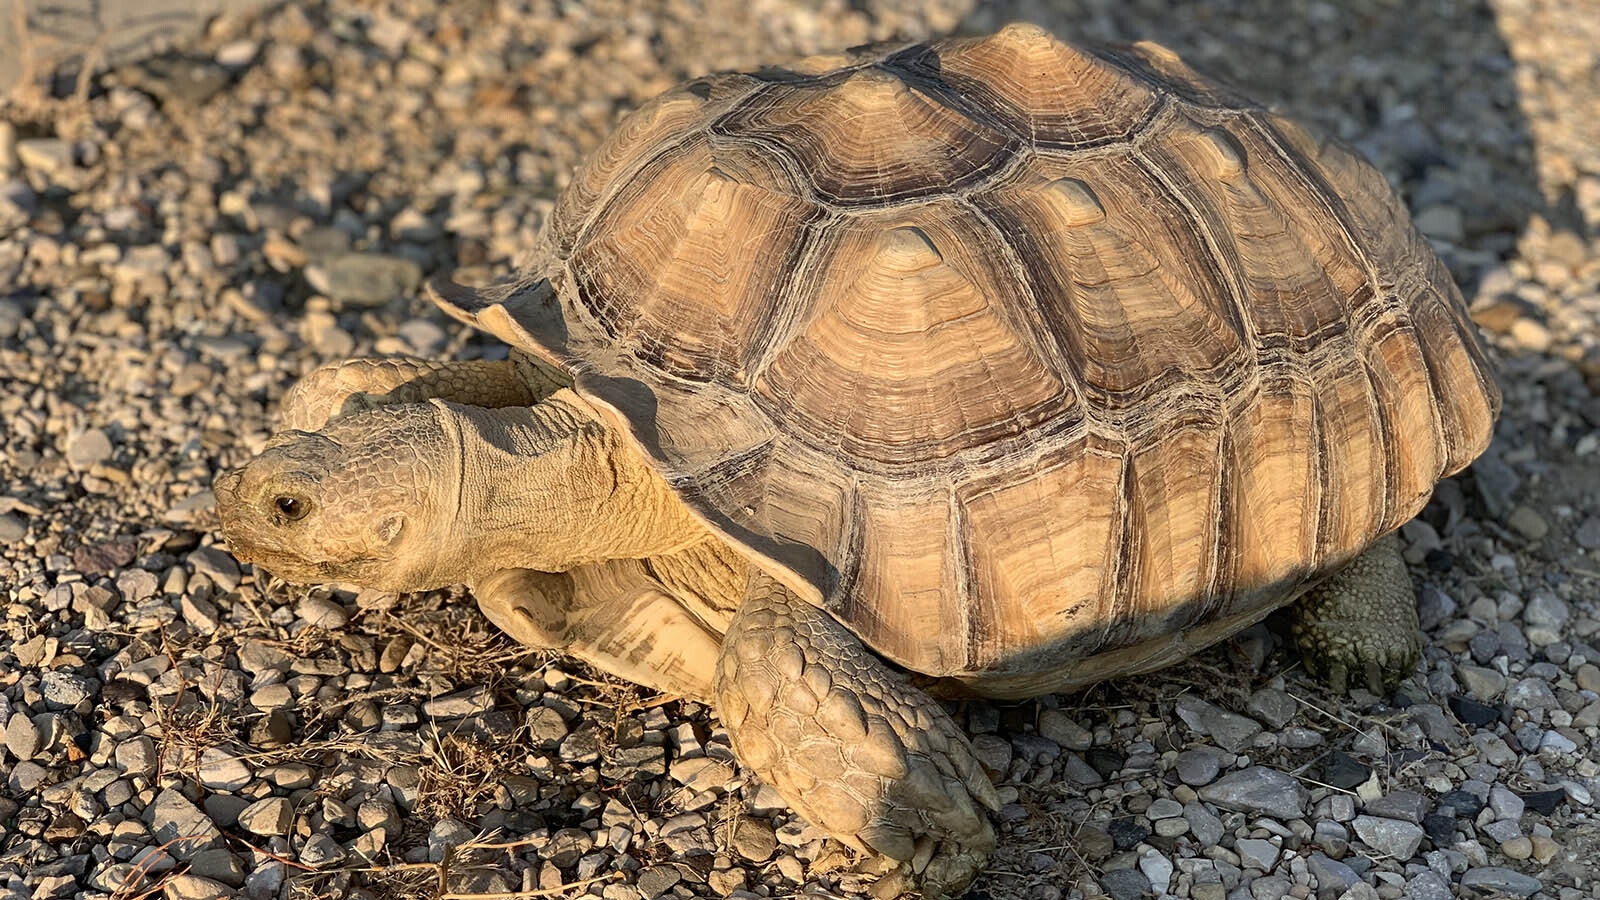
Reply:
x=1360, y=626
x=852, y=745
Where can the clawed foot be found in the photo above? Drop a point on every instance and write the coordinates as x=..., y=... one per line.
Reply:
x=852, y=746
x=1359, y=627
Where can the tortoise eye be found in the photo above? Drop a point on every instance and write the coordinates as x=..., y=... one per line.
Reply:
x=291, y=507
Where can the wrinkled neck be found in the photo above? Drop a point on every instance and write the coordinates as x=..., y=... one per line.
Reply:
x=552, y=486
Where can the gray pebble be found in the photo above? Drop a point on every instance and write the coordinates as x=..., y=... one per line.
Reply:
x=1495, y=878
x=1198, y=766
x=1231, y=731
x=320, y=851
x=12, y=529
x=469, y=702
x=1428, y=886
x=1258, y=790
x=445, y=834
x=216, y=565
x=66, y=689
x=22, y=736
x=1333, y=877
x=1391, y=837
x=222, y=771
x=1203, y=824
x=1588, y=534
x=1408, y=806
x=179, y=825
x=1059, y=727
x=1273, y=707
x=1257, y=854
x=1506, y=805
x=1125, y=884
x=271, y=816
x=89, y=449
x=189, y=886
x=365, y=279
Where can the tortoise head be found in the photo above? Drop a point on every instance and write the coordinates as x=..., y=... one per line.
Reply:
x=356, y=502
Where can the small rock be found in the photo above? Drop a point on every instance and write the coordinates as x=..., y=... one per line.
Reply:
x=1157, y=870
x=1198, y=766
x=469, y=702
x=321, y=850
x=448, y=833
x=222, y=771
x=189, y=886
x=1528, y=523
x=1125, y=884
x=1256, y=854
x=219, y=567
x=1485, y=684
x=1203, y=824
x=271, y=816
x=1508, y=807
x=323, y=613
x=1544, y=849
x=1344, y=771
x=365, y=279
x=22, y=736
x=1273, y=707
x=89, y=449
x=1471, y=712
x=754, y=839
x=1546, y=610
x=1333, y=877
x=1495, y=878
x=1588, y=534
x=1258, y=790
x=1408, y=806
x=66, y=689
x=993, y=752
x=1390, y=837
x=50, y=156
x=1428, y=886
x=1231, y=731
x=179, y=825
x=1059, y=727
x=12, y=529
x=1544, y=802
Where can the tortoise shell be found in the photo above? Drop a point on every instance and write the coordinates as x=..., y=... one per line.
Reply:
x=1017, y=357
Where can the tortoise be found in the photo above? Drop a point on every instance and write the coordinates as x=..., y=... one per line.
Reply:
x=987, y=366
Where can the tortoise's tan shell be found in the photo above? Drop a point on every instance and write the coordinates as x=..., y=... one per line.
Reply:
x=1014, y=355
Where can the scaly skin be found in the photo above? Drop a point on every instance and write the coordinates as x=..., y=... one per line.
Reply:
x=851, y=745
x=1360, y=626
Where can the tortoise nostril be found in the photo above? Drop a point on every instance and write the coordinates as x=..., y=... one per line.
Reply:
x=227, y=482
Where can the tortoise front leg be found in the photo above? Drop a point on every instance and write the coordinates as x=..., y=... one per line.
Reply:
x=850, y=744
x=1360, y=626
x=612, y=616
x=342, y=388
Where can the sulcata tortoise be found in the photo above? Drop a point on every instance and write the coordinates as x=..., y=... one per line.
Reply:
x=989, y=366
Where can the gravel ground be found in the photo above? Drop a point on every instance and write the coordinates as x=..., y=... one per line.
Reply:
x=191, y=232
